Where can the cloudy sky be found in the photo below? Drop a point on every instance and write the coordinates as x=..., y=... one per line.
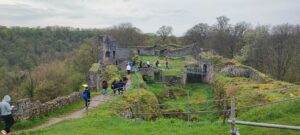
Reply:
x=148, y=15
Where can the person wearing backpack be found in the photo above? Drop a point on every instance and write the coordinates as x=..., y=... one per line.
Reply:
x=114, y=86
x=104, y=86
x=86, y=95
x=6, y=114
x=120, y=87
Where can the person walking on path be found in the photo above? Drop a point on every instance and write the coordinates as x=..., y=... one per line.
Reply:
x=128, y=68
x=148, y=64
x=121, y=87
x=167, y=64
x=6, y=115
x=104, y=86
x=114, y=86
x=86, y=95
x=141, y=64
x=125, y=80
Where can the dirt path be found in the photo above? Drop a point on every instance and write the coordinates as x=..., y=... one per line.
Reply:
x=95, y=101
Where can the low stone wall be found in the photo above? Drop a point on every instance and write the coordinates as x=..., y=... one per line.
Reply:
x=178, y=52
x=234, y=71
x=174, y=79
x=147, y=71
x=26, y=109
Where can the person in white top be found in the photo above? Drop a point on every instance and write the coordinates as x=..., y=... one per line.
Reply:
x=148, y=64
x=128, y=68
x=5, y=110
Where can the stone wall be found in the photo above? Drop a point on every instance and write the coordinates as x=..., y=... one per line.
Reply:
x=93, y=80
x=174, y=79
x=26, y=109
x=147, y=71
x=178, y=52
x=247, y=72
x=211, y=70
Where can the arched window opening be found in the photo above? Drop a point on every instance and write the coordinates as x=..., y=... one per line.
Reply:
x=107, y=54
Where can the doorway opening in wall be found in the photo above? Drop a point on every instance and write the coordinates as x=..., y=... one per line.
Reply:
x=138, y=51
x=114, y=54
x=205, y=68
x=107, y=54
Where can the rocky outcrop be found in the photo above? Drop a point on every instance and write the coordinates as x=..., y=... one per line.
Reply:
x=27, y=109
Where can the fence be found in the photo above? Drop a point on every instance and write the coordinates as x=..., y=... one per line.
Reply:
x=233, y=122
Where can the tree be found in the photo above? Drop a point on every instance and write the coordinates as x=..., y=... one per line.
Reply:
x=164, y=32
x=197, y=34
x=127, y=35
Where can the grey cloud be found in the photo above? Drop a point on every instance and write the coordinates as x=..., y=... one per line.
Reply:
x=147, y=14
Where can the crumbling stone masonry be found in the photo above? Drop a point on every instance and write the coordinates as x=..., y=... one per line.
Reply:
x=26, y=109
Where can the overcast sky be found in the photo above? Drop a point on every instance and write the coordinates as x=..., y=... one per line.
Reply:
x=148, y=15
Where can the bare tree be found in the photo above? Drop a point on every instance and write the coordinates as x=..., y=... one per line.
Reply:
x=197, y=34
x=127, y=35
x=164, y=32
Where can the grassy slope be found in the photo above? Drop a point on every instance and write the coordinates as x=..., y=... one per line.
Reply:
x=105, y=122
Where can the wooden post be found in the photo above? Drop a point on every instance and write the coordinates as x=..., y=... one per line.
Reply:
x=232, y=116
x=188, y=104
x=224, y=111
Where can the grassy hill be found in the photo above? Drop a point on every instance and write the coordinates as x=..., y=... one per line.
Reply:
x=106, y=119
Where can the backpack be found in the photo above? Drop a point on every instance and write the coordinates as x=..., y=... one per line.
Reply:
x=85, y=95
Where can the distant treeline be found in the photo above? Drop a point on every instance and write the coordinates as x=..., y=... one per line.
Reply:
x=42, y=63
x=270, y=49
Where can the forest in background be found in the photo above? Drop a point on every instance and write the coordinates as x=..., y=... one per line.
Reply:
x=43, y=63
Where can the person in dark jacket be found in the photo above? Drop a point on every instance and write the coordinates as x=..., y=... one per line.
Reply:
x=114, y=86
x=141, y=64
x=125, y=80
x=120, y=87
x=86, y=95
x=6, y=114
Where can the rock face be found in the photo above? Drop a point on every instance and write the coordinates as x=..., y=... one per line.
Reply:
x=26, y=109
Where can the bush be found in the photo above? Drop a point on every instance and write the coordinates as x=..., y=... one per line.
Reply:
x=145, y=99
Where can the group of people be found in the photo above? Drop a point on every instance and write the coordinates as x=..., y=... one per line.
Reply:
x=115, y=86
x=119, y=86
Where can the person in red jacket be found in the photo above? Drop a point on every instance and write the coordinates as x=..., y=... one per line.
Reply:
x=104, y=86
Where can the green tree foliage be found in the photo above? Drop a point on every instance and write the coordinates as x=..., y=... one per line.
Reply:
x=85, y=57
x=38, y=50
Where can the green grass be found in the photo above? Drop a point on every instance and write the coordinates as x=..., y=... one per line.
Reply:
x=104, y=122
x=176, y=65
